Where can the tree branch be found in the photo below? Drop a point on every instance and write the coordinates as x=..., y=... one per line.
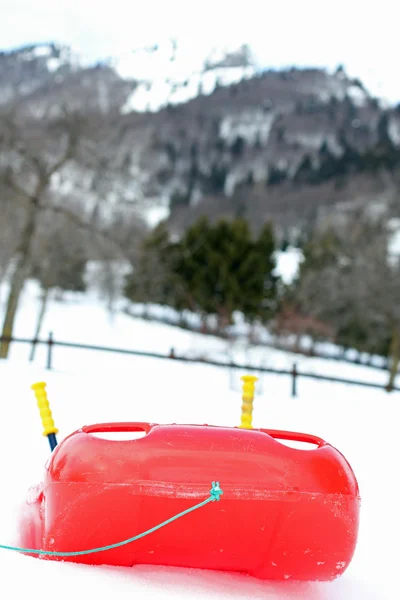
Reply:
x=74, y=218
x=68, y=154
x=11, y=183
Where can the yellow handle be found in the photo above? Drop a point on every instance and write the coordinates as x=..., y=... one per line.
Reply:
x=247, y=398
x=44, y=408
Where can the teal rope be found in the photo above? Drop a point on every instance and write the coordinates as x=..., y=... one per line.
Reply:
x=215, y=494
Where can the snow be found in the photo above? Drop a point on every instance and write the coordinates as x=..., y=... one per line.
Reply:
x=358, y=95
x=151, y=95
x=174, y=73
x=308, y=140
x=87, y=387
x=249, y=124
x=287, y=263
x=46, y=52
x=53, y=64
x=394, y=130
x=42, y=50
x=156, y=214
x=394, y=241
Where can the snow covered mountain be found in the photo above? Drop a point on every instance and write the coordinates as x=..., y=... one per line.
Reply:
x=160, y=75
x=171, y=74
x=214, y=134
x=30, y=68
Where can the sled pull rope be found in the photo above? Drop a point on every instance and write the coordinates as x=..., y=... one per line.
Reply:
x=215, y=494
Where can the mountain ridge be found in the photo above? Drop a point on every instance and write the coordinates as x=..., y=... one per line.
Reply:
x=287, y=145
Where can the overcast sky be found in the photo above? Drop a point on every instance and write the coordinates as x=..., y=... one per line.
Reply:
x=360, y=34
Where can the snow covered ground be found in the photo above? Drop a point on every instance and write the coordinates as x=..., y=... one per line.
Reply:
x=87, y=387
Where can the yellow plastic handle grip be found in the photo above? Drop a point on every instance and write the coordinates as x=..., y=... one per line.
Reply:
x=44, y=408
x=248, y=391
x=249, y=385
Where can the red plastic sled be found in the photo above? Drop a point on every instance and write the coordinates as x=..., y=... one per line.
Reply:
x=285, y=513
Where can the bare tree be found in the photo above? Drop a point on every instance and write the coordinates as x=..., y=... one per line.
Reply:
x=58, y=261
x=10, y=225
x=109, y=271
x=46, y=162
x=352, y=283
x=31, y=154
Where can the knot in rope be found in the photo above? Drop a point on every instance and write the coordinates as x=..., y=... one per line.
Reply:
x=215, y=491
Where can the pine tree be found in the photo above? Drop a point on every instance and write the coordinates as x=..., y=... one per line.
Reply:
x=190, y=268
x=223, y=270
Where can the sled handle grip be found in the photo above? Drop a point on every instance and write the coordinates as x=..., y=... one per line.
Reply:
x=46, y=416
x=294, y=436
x=116, y=427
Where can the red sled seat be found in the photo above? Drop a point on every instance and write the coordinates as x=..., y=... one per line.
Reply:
x=285, y=513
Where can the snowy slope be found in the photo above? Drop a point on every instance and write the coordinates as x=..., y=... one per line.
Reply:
x=88, y=387
x=167, y=73
x=171, y=73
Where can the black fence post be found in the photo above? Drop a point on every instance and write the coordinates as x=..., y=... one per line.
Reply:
x=50, y=343
x=33, y=349
x=294, y=380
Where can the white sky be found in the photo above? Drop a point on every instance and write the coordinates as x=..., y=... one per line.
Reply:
x=361, y=35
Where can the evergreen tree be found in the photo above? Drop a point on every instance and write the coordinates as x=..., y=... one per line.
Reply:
x=238, y=146
x=211, y=270
x=230, y=249
x=191, y=255
x=264, y=251
x=224, y=270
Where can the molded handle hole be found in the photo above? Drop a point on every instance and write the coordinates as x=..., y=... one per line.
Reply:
x=118, y=431
x=298, y=444
x=119, y=435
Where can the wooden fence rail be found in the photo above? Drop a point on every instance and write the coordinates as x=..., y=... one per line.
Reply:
x=293, y=373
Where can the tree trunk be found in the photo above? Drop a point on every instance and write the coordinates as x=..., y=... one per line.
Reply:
x=224, y=320
x=17, y=282
x=42, y=312
x=4, y=269
x=296, y=345
x=395, y=355
x=2, y=273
